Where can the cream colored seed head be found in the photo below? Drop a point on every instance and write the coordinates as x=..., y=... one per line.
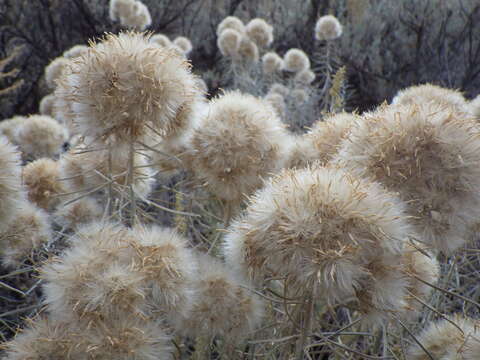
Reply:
x=295, y=60
x=231, y=22
x=228, y=42
x=260, y=32
x=328, y=28
x=271, y=63
x=126, y=88
x=54, y=71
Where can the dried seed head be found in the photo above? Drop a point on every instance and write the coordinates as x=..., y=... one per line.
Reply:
x=42, y=181
x=44, y=338
x=474, y=107
x=224, y=306
x=300, y=95
x=271, y=63
x=27, y=232
x=161, y=40
x=8, y=126
x=305, y=77
x=132, y=14
x=46, y=106
x=167, y=267
x=119, y=8
x=278, y=103
x=40, y=136
x=228, y=42
x=260, y=32
x=94, y=279
x=431, y=94
x=184, y=44
x=247, y=52
x=78, y=213
x=231, y=22
x=323, y=228
x=295, y=60
x=240, y=141
x=279, y=89
x=430, y=155
x=54, y=70
x=328, y=28
x=125, y=88
x=10, y=182
x=75, y=51
x=443, y=340
x=419, y=262
x=321, y=143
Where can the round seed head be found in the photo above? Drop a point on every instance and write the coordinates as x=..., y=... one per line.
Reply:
x=300, y=96
x=28, y=231
x=305, y=77
x=295, y=60
x=224, y=304
x=184, y=44
x=40, y=136
x=126, y=88
x=8, y=126
x=271, y=63
x=260, y=32
x=228, y=42
x=46, y=105
x=322, y=142
x=240, y=141
x=277, y=101
x=328, y=28
x=161, y=40
x=78, y=213
x=231, y=22
x=327, y=230
x=247, y=52
x=54, y=70
x=430, y=155
x=10, y=182
x=41, y=179
x=444, y=340
x=431, y=94
x=118, y=8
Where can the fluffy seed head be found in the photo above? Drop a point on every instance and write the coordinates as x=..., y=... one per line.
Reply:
x=44, y=338
x=40, y=136
x=279, y=89
x=299, y=95
x=124, y=86
x=132, y=14
x=430, y=155
x=443, y=340
x=224, y=305
x=41, y=179
x=474, y=107
x=8, y=126
x=228, y=42
x=431, y=94
x=271, y=63
x=75, y=51
x=27, y=232
x=305, y=77
x=46, y=105
x=328, y=28
x=419, y=262
x=295, y=60
x=161, y=40
x=247, y=52
x=167, y=267
x=231, y=22
x=260, y=32
x=323, y=228
x=184, y=44
x=277, y=101
x=10, y=182
x=78, y=213
x=93, y=279
x=54, y=70
x=240, y=141
x=119, y=8
x=322, y=142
